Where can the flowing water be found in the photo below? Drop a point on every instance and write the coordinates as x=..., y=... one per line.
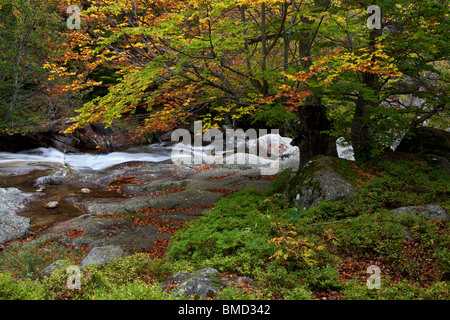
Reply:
x=151, y=153
x=20, y=170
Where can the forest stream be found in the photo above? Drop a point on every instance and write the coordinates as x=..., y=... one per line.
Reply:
x=22, y=170
x=50, y=187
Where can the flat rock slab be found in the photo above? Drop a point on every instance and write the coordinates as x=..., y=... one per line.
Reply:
x=173, y=201
x=14, y=201
x=94, y=231
x=168, y=192
x=20, y=168
x=102, y=255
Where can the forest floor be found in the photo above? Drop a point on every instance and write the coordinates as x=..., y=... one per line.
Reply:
x=323, y=252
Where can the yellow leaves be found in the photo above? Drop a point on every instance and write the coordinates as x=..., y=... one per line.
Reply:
x=291, y=245
x=331, y=64
x=258, y=2
x=301, y=76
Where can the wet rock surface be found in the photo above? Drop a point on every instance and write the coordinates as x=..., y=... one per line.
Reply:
x=14, y=201
x=132, y=206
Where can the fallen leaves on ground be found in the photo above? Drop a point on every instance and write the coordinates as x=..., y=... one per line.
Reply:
x=168, y=191
x=75, y=233
x=220, y=177
x=267, y=177
x=158, y=250
x=225, y=192
x=202, y=168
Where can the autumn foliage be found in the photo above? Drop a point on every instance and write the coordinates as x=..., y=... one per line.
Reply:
x=154, y=65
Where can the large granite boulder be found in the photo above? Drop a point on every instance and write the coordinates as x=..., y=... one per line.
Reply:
x=319, y=181
x=426, y=140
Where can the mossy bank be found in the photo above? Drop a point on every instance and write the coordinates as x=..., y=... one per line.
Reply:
x=321, y=252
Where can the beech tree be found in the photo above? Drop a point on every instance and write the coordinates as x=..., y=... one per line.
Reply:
x=313, y=68
x=220, y=60
x=378, y=83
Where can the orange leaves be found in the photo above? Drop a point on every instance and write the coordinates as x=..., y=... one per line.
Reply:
x=202, y=168
x=116, y=184
x=75, y=233
x=169, y=191
x=300, y=76
x=220, y=177
x=158, y=249
x=292, y=97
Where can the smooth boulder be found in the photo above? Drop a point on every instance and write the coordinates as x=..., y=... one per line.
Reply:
x=102, y=255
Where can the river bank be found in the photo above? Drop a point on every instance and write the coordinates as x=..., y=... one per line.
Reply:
x=54, y=193
x=253, y=244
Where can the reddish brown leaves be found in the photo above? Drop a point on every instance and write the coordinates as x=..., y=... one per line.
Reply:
x=220, y=177
x=158, y=250
x=202, y=168
x=267, y=178
x=168, y=191
x=161, y=210
x=118, y=183
x=75, y=233
x=222, y=191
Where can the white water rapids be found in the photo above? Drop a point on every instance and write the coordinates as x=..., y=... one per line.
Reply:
x=157, y=152
x=151, y=153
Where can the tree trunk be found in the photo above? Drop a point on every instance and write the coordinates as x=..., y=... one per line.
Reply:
x=360, y=135
x=14, y=97
x=362, y=139
x=311, y=139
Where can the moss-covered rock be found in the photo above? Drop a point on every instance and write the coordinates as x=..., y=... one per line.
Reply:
x=319, y=181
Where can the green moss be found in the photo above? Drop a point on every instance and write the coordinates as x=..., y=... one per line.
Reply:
x=304, y=178
x=237, y=236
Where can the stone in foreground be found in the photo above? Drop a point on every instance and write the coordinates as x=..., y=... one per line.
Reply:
x=102, y=255
x=205, y=282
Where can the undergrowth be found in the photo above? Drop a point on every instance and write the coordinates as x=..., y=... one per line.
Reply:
x=320, y=252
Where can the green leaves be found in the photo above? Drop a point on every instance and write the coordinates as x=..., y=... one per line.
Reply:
x=28, y=33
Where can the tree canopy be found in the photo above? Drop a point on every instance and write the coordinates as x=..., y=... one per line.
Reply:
x=313, y=68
